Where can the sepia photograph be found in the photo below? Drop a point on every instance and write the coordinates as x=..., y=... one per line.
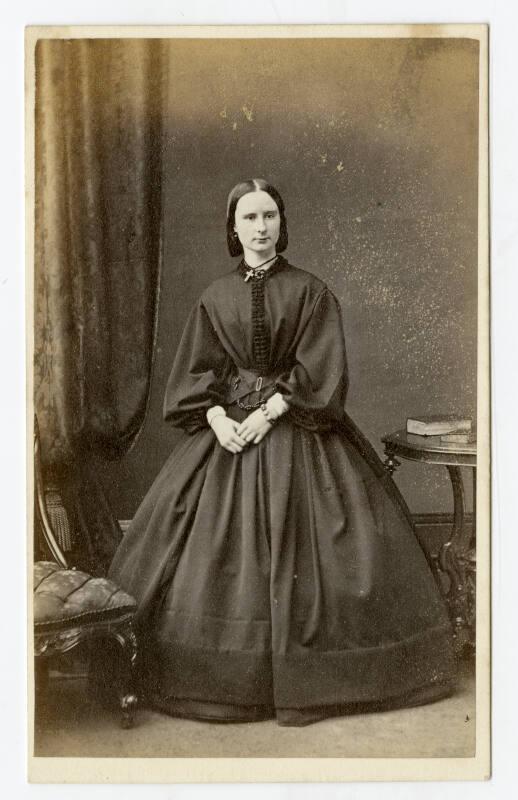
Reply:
x=258, y=404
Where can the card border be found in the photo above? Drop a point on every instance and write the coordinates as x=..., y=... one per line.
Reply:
x=247, y=770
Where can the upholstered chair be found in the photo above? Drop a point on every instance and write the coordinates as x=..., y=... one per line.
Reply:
x=70, y=606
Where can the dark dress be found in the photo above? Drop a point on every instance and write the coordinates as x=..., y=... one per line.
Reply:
x=284, y=581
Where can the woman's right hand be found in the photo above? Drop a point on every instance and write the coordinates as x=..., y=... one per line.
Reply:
x=225, y=430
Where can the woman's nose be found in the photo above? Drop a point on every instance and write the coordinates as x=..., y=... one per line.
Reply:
x=261, y=224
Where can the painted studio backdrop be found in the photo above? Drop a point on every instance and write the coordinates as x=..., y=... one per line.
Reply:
x=373, y=144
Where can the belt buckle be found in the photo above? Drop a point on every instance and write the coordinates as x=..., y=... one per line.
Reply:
x=258, y=383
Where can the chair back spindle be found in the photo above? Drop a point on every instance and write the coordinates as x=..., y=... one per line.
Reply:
x=41, y=506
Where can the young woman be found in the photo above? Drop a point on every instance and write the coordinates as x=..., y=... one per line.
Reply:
x=275, y=567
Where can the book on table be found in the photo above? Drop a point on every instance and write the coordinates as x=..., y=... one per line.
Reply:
x=438, y=425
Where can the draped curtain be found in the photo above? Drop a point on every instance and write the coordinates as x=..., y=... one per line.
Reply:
x=98, y=138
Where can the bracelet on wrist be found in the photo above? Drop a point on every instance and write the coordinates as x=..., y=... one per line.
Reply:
x=277, y=405
x=267, y=413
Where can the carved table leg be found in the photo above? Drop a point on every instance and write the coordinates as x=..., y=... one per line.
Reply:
x=457, y=561
x=391, y=463
x=472, y=567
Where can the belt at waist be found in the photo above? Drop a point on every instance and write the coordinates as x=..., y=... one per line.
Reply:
x=251, y=384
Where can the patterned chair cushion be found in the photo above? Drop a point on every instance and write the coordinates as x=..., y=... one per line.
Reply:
x=70, y=597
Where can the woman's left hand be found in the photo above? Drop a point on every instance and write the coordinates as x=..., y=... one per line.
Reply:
x=254, y=427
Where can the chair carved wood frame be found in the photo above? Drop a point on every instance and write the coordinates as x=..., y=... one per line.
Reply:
x=71, y=606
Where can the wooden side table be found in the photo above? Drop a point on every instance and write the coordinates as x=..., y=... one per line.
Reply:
x=457, y=557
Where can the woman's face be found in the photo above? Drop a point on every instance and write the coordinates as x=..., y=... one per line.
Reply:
x=258, y=223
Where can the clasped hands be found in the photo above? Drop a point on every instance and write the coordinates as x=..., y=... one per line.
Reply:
x=235, y=436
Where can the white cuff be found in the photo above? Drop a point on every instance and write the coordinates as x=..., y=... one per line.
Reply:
x=276, y=405
x=215, y=411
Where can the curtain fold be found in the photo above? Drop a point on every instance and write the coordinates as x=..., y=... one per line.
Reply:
x=98, y=139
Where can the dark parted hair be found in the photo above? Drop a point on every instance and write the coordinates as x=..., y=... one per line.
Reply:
x=254, y=185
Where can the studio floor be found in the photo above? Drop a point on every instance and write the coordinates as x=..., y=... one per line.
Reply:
x=70, y=726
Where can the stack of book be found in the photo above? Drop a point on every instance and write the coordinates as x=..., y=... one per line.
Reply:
x=451, y=429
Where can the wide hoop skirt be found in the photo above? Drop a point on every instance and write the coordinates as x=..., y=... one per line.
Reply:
x=284, y=581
